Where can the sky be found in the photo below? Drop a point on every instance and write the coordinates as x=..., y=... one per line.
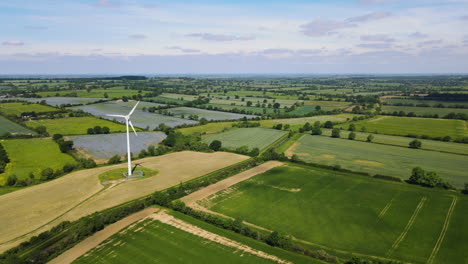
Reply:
x=233, y=36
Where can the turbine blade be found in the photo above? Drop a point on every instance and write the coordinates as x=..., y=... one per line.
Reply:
x=131, y=112
x=117, y=116
x=130, y=122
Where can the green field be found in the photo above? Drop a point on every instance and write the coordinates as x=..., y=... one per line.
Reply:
x=7, y=126
x=452, y=147
x=381, y=159
x=248, y=109
x=424, y=110
x=250, y=137
x=207, y=114
x=402, y=126
x=115, y=92
x=74, y=125
x=422, y=101
x=15, y=109
x=32, y=155
x=152, y=241
x=351, y=214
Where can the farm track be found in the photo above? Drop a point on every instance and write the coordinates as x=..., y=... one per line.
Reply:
x=89, y=243
x=436, y=248
x=408, y=226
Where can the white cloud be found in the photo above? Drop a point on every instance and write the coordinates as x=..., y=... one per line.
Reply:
x=13, y=43
x=219, y=37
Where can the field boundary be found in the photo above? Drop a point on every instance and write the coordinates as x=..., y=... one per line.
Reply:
x=436, y=248
x=407, y=227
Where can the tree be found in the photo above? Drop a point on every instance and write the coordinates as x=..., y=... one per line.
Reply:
x=254, y=152
x=276, y=105
x=318, y=108
x=42, y=130
x=65, y=145
x=316, y=131
x=351, y=135
x=203, y=121
x=328, y=124
x=307, y=127
x=215, y=145
x=90, y=131
x=417, y=175
x=416, y=144
x=352, y=127
x=249, y=103
x=97, y=130
x=11, y=180
x=370, y=137
x=465, y=191
x=317, y=124
x=336, y=133
x=106, y=95
x=105, y=130
x=114, y=159
x=286, y=126
x=56, y=137
x=47, y=174
x=278, y=240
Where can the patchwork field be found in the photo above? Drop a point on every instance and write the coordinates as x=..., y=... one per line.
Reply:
x=74, y=125
x=402, y=126
x=209, y=115
x=115, y=92
x=105, y=146
x=57, y=101
x=80, y=193
x=250, y=137
x=424, y=110
x=32, y=155
x=380, y=159
x=171, y=237
x=247, y=109
x=140, y=118
x=421, y=101
x=346, y=214
x=7, y=126
x=15, y=109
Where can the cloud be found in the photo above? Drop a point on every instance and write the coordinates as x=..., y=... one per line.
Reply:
x=430, y=43
x=375, y=45
x=183, y=49
x=13, y=43
x=371, y=2
x=369, y=17
x=418, y=35
x=218, y=37
x=377, y=38
x=107, y=3
x=138, y=36
x=464, y=17
x=36, y=27
x=322, y=27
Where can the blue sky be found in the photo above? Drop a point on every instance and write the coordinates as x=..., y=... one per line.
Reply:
x=327, y=36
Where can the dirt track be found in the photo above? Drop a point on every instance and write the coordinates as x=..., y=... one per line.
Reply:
x=84, y=246
x=226, y=183
x=30, y=211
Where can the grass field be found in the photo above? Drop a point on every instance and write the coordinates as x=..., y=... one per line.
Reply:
x=102, y=147
x=32, y=155
x=381, y=159
x=15, y=109
x=57, y=101
x=74, y=125
x=115, y=92
x=424, y=110
x=7, y=126
x=402, y=126
x=248, y=109
x=152, y=241
x=347, y=213
x=421, y=101
x=209, y=115
x=452, y=147
x=80, y=193
x=250, y=137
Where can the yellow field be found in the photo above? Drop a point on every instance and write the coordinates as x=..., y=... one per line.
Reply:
x=38, y=208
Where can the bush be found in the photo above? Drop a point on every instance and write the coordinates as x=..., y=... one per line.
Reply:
x=114, y=160
x=370, y=137
x=388, y=178
x=47, y=174
x=316, y=131
x=336, y=133
x=351, y=136
x=11, y=180
x=416, y=144
x=215, y=145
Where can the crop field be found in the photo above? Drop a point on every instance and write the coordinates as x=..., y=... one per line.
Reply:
x=74, y=125
x=452, y=147
x=250, y=137
x=327, y=105
x=7, y=126
x=57, y=101
x=32, y=155
x=381, y=159
x=347, y=214
x=140, y=118
x=172, y=239
x=422, y=101
x=248, y=109
x=402, y=126
x=424, y=110
x=106, y=146
x=30, y=208
x=15, y=109
x=181, y=97
x=208, y=114
x=115, y=92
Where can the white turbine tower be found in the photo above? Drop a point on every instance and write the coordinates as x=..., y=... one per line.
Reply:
x=128, y=122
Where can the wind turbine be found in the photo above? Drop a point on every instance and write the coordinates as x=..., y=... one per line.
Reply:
x=128, y=122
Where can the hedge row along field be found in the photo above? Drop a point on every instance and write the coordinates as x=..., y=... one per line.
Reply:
x=15, y=109
x=346, y=213
x=420, y=111
x=74, y=125
x=57, y=101
x=7, y=126
x=380, y=159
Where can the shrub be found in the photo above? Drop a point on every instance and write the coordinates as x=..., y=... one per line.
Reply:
x=336, y=133
x=351, y=136
x=11, y=180
x=215, y=145
x=416, y=144
x=114, y=160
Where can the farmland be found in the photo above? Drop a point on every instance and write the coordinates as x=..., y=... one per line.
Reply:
x=420, y=111
x=74, y=125
x=15, y=109
x=402, y=126
x=207, y=114
x=7, y=126
x=431, y=103
x=57, y=101
x=32, y=156
x=115, y=92
x=105, y=146
x=250, y=137
x=380, y=159
x=387, y=218
x=29, y=209
x=177, y=244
